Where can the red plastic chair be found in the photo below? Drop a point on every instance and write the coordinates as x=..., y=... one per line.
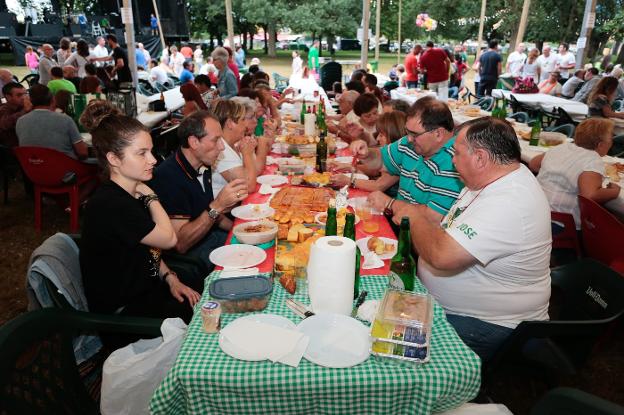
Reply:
x=568, y=238
x=602, y=233
x=46, y=168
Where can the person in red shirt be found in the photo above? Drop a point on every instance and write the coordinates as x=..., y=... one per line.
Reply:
x=186, y=51
x=232, y=65
x=436, y=64
x=411, y=67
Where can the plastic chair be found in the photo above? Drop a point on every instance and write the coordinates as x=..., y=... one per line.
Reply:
x=520, y=116
x=568, y=239
x=564, y=118
x=38, y=371
x=468, y=95
x=55, y=173
x=567, y=129
x=486, y=103
x=617, y=105
x=330, y=72
x=592, y=298
x=571, y=401
x=601, y=233
x=617, y=149
x=30, y=79
x=281, y=82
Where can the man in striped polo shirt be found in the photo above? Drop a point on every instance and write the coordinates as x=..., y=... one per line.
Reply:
x=423, y=160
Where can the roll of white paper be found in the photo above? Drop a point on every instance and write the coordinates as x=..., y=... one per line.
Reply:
x=309, y=124
x=331, y=275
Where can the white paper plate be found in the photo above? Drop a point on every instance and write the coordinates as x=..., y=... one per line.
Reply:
x=344, y=159
x=237, y=256
x=272, y=179
x=364, y=248
x=243, y=353
x=358, y=176
x=253, y=211
x=335, y=340
x=341, y=144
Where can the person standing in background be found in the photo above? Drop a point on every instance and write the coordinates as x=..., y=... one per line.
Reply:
x=46, y=64
x=297, y=63
x=516, y=60
x=436, y=64
x=154, y=24
x=239, y=56
x=100, y=51
x=565, y=62
x=313, y=57
x=411, y=67
x=490, y=67
x=546, y=62
x=198, y=56
x=31, y=59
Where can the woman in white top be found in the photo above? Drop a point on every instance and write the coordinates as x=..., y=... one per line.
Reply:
x=79, y=58
x=297, y=63
x=573, y=169
x=238, y=158
x=361, y=122
x=530, y=67
x=64, y=51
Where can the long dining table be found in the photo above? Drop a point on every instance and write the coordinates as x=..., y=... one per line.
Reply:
x=204, y=379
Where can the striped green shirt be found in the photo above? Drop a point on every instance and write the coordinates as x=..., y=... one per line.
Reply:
x=433, y=182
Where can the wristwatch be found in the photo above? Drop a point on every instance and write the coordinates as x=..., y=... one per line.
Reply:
x=147, y=199
x=213, y=214
x=388, y=209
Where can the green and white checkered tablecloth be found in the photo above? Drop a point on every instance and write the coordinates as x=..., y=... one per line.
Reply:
x=204, y=380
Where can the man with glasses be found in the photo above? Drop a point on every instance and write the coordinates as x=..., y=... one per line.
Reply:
x=17, y=104
x=422, y=160
x=183, y=183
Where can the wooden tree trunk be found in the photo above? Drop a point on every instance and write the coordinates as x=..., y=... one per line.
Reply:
x=251, y=39
x=266, y=43
x=272, y=41
x=330, y=44
x=244, y=40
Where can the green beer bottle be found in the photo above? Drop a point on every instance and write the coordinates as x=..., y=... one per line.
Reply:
x=331, y=226
x=321, y=153
x=502, y=114
x=495, y=110
x=535, y=131
x=303, y=112
x=349, y=232
x=402, y=265
x=259, y=131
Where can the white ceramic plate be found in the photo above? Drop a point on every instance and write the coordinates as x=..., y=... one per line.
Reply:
x=321, y=217
x=344, y=159
x=335, y=340
x=364, y=248
x=253, y=211
x=341, y=144
x=242, y=353
x=358, y=176
x=272, y=179
x=237, y=256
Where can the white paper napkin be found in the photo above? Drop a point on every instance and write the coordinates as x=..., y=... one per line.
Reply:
x=267, y=189
x=275, y=343
x=239, y=272
x=368, y=310
x=372, y=261
x=271, y=160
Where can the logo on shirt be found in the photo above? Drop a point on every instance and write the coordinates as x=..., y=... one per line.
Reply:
x=467, y=230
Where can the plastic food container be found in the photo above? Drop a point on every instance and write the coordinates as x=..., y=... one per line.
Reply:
x=242, y=294
x=291, y=165
x=402, y=328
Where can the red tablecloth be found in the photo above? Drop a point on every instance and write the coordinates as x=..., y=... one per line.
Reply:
x=384, y=227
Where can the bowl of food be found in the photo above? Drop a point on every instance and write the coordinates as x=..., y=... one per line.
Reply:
x=550, y=138
x=256, y=232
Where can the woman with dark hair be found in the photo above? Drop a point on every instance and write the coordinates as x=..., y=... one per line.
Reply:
x=361, y=122
x=64, y=51
x=79, y=59
x=104, y=76
x=193, y=100
x=601, y=98
x=90, y=84
x=126, y=228
x=246, y=81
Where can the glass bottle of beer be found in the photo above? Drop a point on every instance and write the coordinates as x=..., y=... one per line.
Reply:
x=535, y=131
x=502, y=114
x=349, y=232
x=402, y=266
x=331, y=226
x=495, y=110
x=259, y=131
x=303, y=112
x=321, y=153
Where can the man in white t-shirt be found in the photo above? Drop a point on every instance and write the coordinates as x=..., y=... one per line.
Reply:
x=565, y=62
x=546, y=62
x=157, y=74
x=487, y=262
x=176, y=61
x=100, y=51
x=515, y=61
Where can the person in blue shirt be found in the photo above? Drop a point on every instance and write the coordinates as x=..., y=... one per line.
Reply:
x=239, y=56
x=82, y=21
x=140, y=58
x=187, y=73
x=154, y=24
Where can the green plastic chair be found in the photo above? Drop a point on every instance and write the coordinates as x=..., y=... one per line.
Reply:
x=520, y=116
x=567, y=129
x=486, y=103
x=38, y=371
x=281, y=82
x=571, y=401
x=617, y=149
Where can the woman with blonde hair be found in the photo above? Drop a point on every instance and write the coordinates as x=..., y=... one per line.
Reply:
x=530, y=68
x=31, y=59
x=126, y=228
x=573, y=169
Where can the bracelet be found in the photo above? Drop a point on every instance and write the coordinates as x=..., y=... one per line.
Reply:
x=388, y=209
x=147, y=199
x=166, y=274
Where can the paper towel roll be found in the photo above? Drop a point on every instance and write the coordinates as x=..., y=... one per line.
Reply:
x=331, y=275
x=309, y=124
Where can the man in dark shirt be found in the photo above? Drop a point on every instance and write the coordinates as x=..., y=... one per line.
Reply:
x=120, y=60
x=17, y=105
x=489, y=69
x=183, y=183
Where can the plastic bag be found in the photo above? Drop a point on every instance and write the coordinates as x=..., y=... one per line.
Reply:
x=132, y=374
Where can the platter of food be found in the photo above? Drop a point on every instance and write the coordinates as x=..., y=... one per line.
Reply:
x=385, y=248
x=313, y=179
x=614, y=171
x=302, y=199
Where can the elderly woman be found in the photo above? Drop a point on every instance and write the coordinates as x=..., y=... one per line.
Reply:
x=237, y=160
x=361, y=122
x=551, y=86
x=390, y=127
x=573, y=169
x=265, y=141
x=79, y=59
x=601, y=98
x=227, y=83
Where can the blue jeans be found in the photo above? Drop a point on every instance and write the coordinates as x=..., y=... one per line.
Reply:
x=482, y=337
x=214, y=239
x=412, y=84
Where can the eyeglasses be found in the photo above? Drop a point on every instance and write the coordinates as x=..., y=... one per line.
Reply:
x=413, y=135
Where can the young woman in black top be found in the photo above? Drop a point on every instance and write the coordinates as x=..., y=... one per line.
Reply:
x=125, y=226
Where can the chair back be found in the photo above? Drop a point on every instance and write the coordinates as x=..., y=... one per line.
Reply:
x=564, y=118
x=486, y=103
x=567, y=239
x=567, y=129
x=520, y=116
x=46, y=167
x=571, y=401
x=281, y=82
x=617, y=105
x=30, y=79
x=602, y=233
x=330, y=72
x=618, y=146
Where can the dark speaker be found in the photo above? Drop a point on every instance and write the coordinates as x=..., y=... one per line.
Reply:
x=46, y=30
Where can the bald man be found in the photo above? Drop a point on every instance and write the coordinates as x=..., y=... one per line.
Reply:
x=345, y=103
x=6, y=77
x=46, y=63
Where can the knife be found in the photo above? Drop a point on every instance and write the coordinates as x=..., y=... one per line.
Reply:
x=298, y=308
x=359, y=302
